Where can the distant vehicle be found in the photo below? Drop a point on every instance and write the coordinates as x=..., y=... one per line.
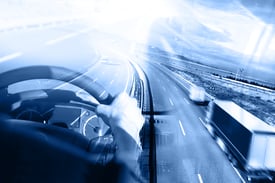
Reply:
x=248, y=139
x=197, y=94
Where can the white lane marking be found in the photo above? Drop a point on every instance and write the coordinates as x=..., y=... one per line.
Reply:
x=182, y=129
x=238, y=173
x=186, y=101
x=129, y=75
x=171, y=102
x=67, y=36
x=10, y=56
x=95, y=79
x=201, y=120
x=111, y=82
x=200, y=178
x=62, y=38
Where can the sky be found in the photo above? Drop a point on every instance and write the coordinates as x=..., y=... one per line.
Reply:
x=247, y=32
x=227, y=28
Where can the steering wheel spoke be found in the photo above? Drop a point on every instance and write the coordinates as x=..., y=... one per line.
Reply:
x=56, y=106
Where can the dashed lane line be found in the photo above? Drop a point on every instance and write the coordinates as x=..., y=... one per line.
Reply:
x=201, y=120
x=62, y=38
x=171, y=102
x=11, y=56
x=200, y=178
x=181, y=128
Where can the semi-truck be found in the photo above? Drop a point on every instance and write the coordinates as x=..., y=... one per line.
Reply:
x=197, y=94
x=248, y=139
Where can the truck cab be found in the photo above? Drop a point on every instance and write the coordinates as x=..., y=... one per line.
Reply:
x=197, y=94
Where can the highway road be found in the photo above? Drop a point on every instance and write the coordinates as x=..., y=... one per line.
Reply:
x=73, y=46
x=185, y=152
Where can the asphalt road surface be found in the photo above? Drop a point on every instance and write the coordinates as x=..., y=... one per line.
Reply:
x=185, y=151
x=73, y=46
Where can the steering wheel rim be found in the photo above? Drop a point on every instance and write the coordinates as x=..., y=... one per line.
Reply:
x=56, y=73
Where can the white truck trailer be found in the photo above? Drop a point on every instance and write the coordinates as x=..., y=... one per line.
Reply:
x=250, y=140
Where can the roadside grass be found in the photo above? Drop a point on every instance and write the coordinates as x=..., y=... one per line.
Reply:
x=260, y=106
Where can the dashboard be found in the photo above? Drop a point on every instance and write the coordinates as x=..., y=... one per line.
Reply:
x=56, y=103
x=78, y=119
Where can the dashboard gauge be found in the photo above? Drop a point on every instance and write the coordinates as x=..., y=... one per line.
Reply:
x=93, y=126
x=30, y=114
x=80, y=120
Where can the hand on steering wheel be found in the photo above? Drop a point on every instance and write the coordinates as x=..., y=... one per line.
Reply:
x=123, y=114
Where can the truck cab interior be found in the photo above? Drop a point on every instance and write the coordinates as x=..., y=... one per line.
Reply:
x=59, y=60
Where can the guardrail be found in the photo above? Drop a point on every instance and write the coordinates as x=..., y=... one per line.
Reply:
x=185, y=83
x=255, y=88
x=244, y=88
x=241, y=86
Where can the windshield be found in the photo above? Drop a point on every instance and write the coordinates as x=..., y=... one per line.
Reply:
x=176, y=58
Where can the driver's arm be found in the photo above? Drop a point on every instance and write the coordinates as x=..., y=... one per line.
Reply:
x=31, y=153
x=126, y=121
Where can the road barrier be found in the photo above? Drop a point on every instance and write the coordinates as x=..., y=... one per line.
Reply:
x=245, y=88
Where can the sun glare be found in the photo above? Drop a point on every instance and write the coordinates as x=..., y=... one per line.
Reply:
x=122, y=10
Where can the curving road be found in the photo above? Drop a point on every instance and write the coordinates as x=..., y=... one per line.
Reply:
x=71, y=45
x=185, y=152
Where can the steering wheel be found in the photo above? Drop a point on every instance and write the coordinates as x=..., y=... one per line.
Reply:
x=11, y=107
x=56, y=73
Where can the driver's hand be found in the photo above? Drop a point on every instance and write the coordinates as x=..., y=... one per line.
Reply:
x=123, y=116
